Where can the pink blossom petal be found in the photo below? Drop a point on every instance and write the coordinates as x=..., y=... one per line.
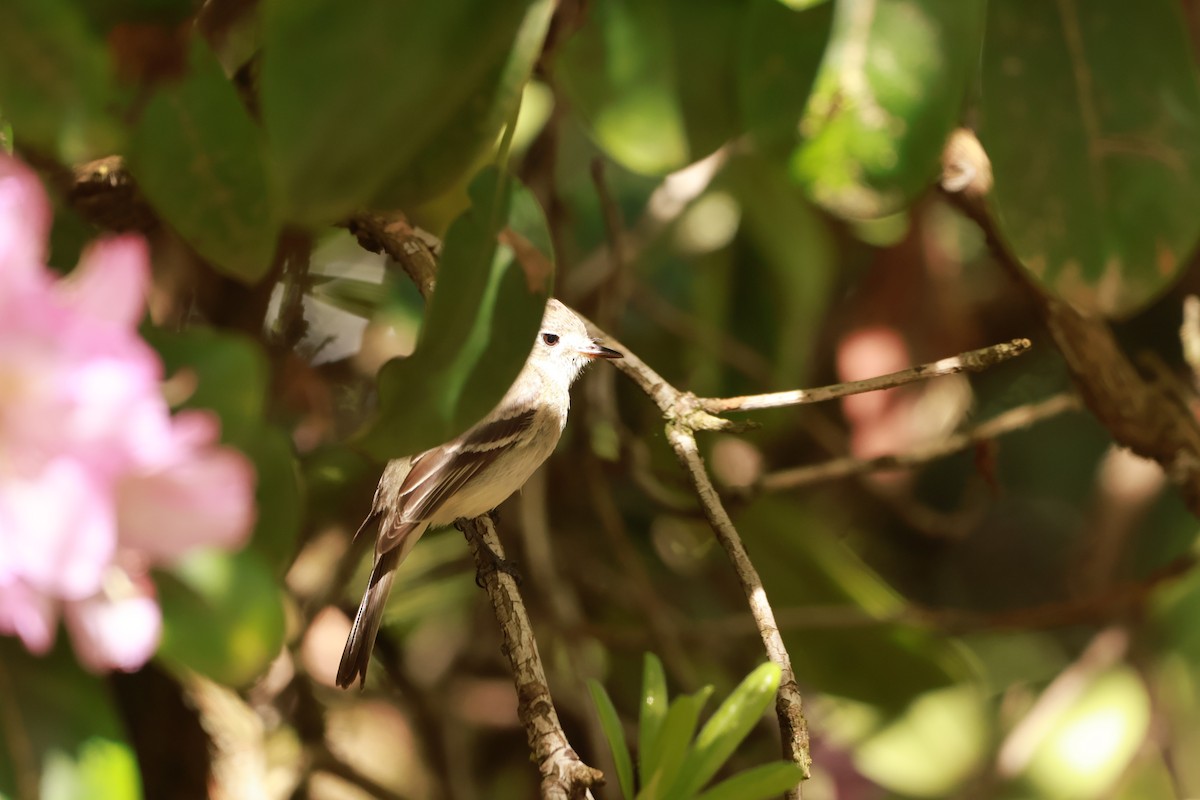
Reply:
x=116, y=630
x=28, y=614
x=59, y=532
x=24, y=222
x=205, y=500
x=110, y=282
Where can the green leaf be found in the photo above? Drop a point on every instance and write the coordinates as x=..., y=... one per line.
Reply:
x=890, y=90
x=231, y=373
x=56, y=80
x=615, y=734
x=757, y=783
x=653, y=712
x=479, y=328
x=726, y=729
x=665, y=760
x=468, y=140
x=277, y=496
x=655, y=80
x=781, y=52
x=222, y=615
x=197, y=156
x=1098, y=205
x=61, y=736
x=354, y=94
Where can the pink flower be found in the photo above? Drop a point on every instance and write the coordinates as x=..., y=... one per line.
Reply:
x=98, y=482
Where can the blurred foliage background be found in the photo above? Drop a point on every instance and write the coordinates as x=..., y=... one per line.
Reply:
x=1015, y=619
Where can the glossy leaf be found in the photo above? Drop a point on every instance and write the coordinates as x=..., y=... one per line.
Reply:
x=1098, y=205
x=654, y=81
x=890, y=90
x=781, y=53
x=666, y=759
x=222, y=616
x=62, y=737
x=653, y=712
x=480, y=324
x=197, y=156
x=610, y=722
x=57, y=86
x=726, y=729
x=353, y=94
x=757, y=783
x=468, y=140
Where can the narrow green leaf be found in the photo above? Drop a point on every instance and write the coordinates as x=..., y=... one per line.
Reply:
x=726, y=729
x=61, y=735
x=615, y=734
x=56, y=80
x=480, y=324
x=197, y=156
x=757, y=783
x=653, y=713
x=1099, y=204
x=354, y=93
x=889, y=91
x=672, y=749
x=222, y=615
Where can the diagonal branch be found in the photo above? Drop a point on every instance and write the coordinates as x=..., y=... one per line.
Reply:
x=564, y=775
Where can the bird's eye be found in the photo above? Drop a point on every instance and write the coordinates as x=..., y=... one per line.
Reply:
x=550, y=338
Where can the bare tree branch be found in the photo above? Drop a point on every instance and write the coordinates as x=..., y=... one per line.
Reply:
x=564, y=775
x=971, y=361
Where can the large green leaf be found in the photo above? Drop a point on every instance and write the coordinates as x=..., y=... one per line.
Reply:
x=354, y=93
x=781, y=53
x=61, y=737
x=222, y=615
x=197, y=156
x=470, y=137
x=480, y=325
x=1099, y=203
x=655, y=80
x=664, y=762
x=890, y=90
x=56, y=80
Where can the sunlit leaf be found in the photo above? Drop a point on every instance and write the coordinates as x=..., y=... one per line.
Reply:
x=222, y=615
x=665, y=760
x=653, y=712
x=479, y=328
x=1098, y=204
x=757, y=783
x=62, y=737
x=726, y=729
x=890, y=90
x=610, y=722
x=197, y=156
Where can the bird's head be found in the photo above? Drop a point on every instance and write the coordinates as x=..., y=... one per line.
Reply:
x=563, y=346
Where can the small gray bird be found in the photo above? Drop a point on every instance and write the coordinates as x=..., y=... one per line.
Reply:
x=476, y=472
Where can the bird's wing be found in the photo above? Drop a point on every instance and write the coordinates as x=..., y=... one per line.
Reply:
x=438, y=473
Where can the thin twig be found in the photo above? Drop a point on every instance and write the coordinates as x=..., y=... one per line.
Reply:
x=1011, y=420
x=971, y=361
x=564, y=775
x=788, y=704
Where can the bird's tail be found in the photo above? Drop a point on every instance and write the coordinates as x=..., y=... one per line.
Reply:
x=361, y=641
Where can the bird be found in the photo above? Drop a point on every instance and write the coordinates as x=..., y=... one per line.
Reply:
x=473, y=473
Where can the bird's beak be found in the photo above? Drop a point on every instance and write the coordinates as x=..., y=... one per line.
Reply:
x=596, y=350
